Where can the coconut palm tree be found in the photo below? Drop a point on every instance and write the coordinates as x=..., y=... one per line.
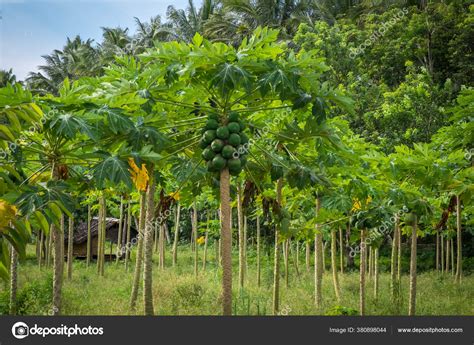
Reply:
x=77, y=59
x=185, y=23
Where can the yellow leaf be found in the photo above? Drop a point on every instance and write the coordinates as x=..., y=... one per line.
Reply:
x=175, y=195
x=201, y=240
x=356, y=205
x=7, y=213
x=139, y=175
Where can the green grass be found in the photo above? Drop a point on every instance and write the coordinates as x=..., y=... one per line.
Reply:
x=177, y=291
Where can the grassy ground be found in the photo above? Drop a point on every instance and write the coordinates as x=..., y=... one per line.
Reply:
x=178, y=292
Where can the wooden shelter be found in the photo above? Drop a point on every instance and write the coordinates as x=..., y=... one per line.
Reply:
x=111, y=235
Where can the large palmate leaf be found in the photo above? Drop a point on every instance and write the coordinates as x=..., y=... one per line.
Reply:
x=69, y=125
x=229, y=77
x=116, y=121
x=112, y=169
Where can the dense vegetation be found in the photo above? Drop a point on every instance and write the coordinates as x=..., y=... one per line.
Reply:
x=249, y=137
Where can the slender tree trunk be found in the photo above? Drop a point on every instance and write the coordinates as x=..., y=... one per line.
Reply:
x=162, y=245
x=157, y=238
x=399, y=260
x=412, y=300
x=394, y=262
x=13, y=281
x=297, y=261
x=258, y=252
x=119, y=236
x=459, y=244
x=204, y=258
x=308, y=255
x=442, y=253
x=148, y=246
x=276, y=261
x=99, y=235
x=38, y=248
x=240, y=227
x=318, y=261
x=437, y=250
x=341, y=251
x=226, y=238
x=245, y=246
x=41, y=242
x=335, y=279
x=451, y=241
x=370, y=263
x=447, y=255
x=363, y=256
x=324, y=254
x=195, y=232
x=49, y=248
x=103, y=228
x=376, y=274
x=176, y=235
x=70, y=244
x=349, y=257
x=89, y=220
x=58, y=270
x=139, y=258
x=127, y=247
x=286, y=255
x=216, y=249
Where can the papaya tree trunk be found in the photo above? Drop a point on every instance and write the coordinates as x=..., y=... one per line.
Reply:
x=13, y=281
x=394, y=262
x=363, y=257
x=447, y=255
x=49, y=248
x=206, y=237
x=318, y=261
x=335, y=278
x=442, y=253
x=286, y=258
x=162, y=245
x=127, y=245
x=58, y=270
x=119, y=236
x=376, y=274
x=176, y=235
x=349, y=257
x=41, y=242
x=437, y=250
x=276, y=261
x=412, y=299
x=453, y=270
x=226, y=238
x=148, y=246
x=370, y=262
x=258, y=252
x=458, y=238
x=89, y=220
x=70, y=244
x=245, y=245
x=139, y=258
x=308, y=255
x=240, y=227
x=399, y=260
x=157, y=239
x=341, y=251
x=195, y=232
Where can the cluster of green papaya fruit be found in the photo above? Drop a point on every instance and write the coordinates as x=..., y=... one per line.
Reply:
x=223, y=142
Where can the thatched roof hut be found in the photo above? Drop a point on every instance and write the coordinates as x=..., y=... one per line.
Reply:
x=111, y=234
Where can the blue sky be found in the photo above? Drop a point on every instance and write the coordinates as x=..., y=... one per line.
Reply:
x=31, y=28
